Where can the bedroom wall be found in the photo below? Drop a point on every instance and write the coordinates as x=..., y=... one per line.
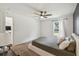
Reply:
x=46, y=26
x=26, y=29
x=2, y=21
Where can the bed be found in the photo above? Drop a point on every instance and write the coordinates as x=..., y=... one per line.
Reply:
x=50, y=45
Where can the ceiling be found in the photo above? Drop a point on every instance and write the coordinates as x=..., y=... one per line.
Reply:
x=57, y=9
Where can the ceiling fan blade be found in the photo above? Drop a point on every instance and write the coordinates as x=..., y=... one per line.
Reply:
x=48, y=15
x=36, y=14
x=33, y=8
x=44, y=16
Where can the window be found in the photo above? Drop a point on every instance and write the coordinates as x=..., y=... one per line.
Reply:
x=56, y=27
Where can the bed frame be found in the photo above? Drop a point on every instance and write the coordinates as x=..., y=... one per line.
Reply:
x=48, y=47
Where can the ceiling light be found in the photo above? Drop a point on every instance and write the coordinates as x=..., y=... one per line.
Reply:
x=42, y=17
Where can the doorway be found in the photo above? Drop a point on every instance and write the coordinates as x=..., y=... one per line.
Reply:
x=9, y=27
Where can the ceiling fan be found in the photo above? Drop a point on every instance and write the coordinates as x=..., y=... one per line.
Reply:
x=43, y=14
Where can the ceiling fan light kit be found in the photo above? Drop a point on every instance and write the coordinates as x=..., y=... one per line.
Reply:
x=41, y=17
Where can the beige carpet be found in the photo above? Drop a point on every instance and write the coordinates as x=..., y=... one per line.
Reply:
x=22, y=50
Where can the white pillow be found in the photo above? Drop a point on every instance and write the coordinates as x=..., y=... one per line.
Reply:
x=60, y=40
x=64, y=44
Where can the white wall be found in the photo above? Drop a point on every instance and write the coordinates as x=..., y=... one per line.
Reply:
x=25, y=29
x=2, y=21
x=47, y=28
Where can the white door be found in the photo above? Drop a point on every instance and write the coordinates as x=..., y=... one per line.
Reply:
x=9, y=27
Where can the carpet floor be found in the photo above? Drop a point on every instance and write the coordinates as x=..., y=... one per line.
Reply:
x=20, y=50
